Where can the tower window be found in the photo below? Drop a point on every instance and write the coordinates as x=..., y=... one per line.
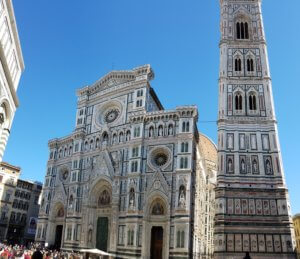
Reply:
x=250, y=65
x=242, y=30
x=252, y=102
x=238, y=102
x=238, y=65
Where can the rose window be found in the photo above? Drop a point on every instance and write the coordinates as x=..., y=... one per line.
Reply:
x=160, y=159
x=111, y=116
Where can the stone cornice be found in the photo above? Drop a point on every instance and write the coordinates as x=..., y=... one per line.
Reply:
x=116, y=79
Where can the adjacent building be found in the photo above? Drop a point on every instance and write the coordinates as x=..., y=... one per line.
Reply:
x=296, y=220
x=24, y=213
x=9, y=176
x=253, y=208
x=11, y=68
x=124, y=180
x=19, y=206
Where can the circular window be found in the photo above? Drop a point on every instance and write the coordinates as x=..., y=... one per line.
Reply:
x=160, y=159
x=111, y=115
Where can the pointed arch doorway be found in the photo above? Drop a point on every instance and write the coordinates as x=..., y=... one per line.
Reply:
x=99, y=232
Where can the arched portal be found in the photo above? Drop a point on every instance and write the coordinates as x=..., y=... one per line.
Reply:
x=57, y=219
x=98, y=234
x=156, y=227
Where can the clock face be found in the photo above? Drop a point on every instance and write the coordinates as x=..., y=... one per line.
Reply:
x=111, y=116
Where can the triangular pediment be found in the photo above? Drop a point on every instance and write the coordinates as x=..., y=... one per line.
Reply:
x=159, y=183
x=102, y=165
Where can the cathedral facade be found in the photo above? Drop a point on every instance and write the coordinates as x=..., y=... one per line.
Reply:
x=124, y=180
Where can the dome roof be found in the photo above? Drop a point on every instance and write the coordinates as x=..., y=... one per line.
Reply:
x=208, y=148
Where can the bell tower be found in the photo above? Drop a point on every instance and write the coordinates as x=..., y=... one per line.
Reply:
x=253, y=210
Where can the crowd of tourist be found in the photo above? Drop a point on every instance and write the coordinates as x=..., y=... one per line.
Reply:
x=34, y=252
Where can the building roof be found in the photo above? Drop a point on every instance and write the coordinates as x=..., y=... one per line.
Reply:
x=11, y=167
x=296, y=216
x=208, y=148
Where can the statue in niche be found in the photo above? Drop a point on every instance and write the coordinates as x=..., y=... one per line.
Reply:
x=157, y=209
x=230, y=141
x=151, y=132
x=254, y=165
x=90, y=235
x=230, y=165
x=115, y=138
x=242, y=141
x=170, y=130
x=268, y=167
x=243, y=167
x=131, y=199
x=71, y=201
x=181, y=201
x=160, y=131
x=121, y=137
x=104, y=199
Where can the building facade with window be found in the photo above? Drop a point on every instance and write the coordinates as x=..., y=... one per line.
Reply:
x=9, y=176
x=296, y=221
x=253, y=209
x=11, y=68
x=24, y=213
x=124, y=180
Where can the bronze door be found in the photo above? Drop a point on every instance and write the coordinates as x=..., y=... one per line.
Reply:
x=156, y=242
x=102, y=233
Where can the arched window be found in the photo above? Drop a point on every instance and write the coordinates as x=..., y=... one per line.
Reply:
x=183, y=127
x=65, y=152
x=184, y=147
x=238, y=30
x=242, y=30
x=188, y=126
x=246, y=31
x=105, y=137
x=238, y=102
x=70, y=150
x=183, y=163
x=97, y=142
x=252, y=102
x=86, y=145
x=250, y=65
x=180, y=239
x=91, y=144
x=238, y=65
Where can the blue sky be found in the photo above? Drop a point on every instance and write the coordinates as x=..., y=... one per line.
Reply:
x=70, y=44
